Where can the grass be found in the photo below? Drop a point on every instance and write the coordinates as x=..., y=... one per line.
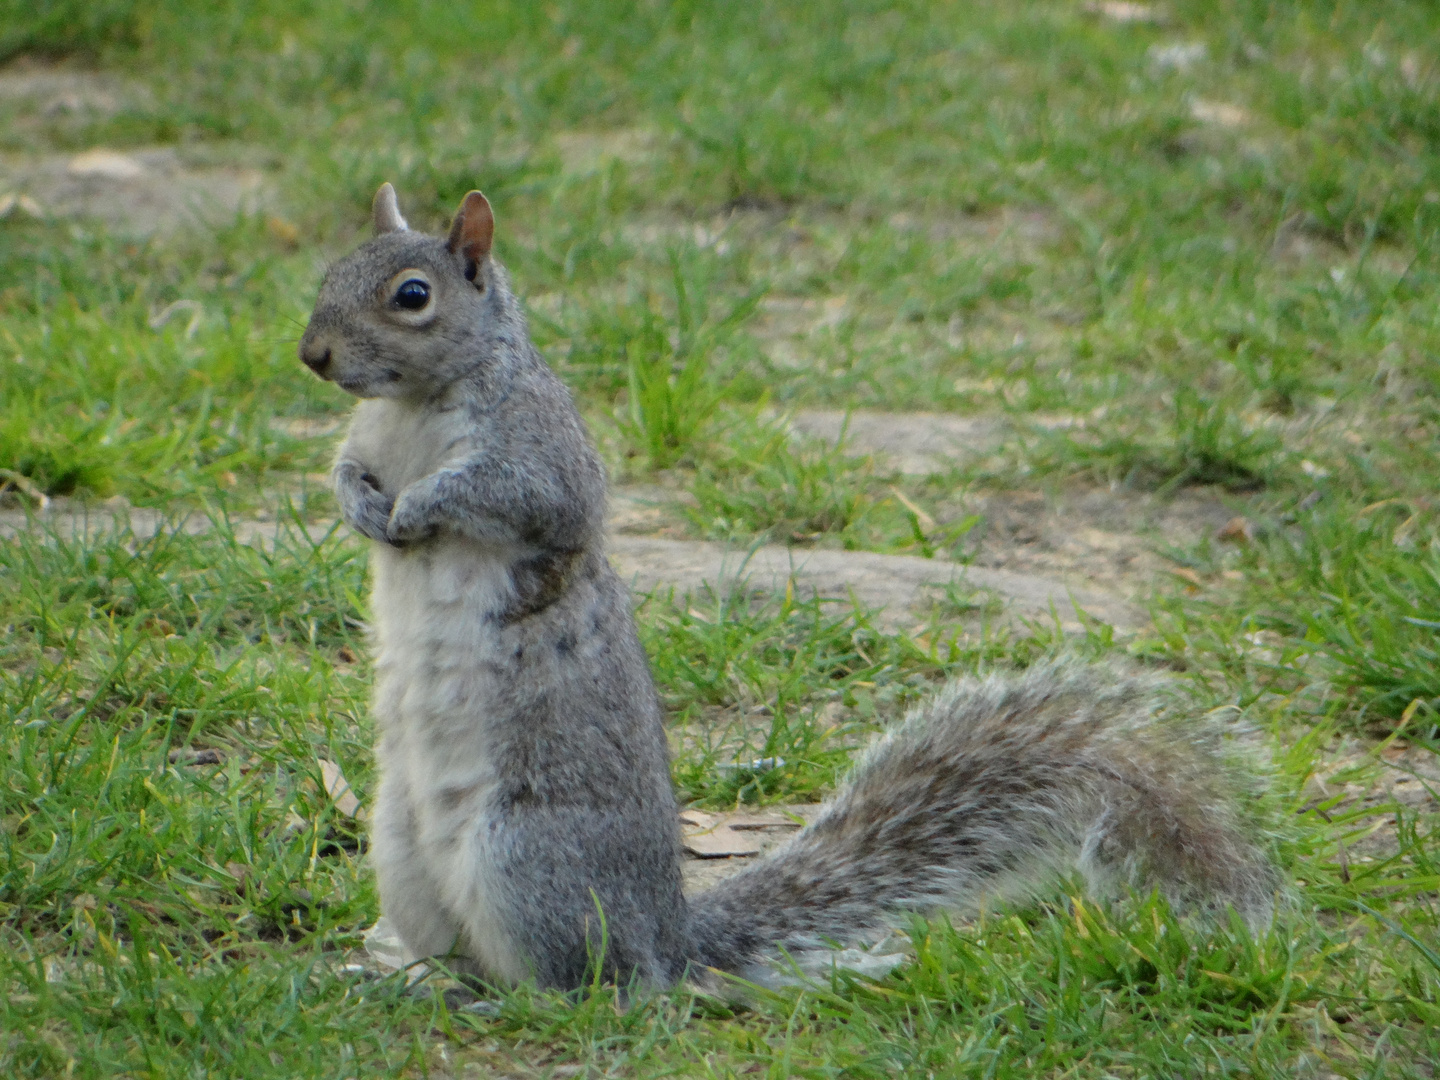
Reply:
x=673, y=387
x=1192, y=252
x=1364, y=595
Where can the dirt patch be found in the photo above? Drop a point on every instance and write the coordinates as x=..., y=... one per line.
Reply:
x=1113, y=540
x=899, y=587
x=1094, y=538
x=644, y=509
x=916, y=444
x=137, y=192
x=44, y=94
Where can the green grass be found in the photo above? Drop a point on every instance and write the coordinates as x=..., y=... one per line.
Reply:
x=1363, y=593
x=159, y=913
x=1157, y=277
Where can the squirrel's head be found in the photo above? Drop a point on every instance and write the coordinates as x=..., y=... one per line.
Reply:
x=406, y=314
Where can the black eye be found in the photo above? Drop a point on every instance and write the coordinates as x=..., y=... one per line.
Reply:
x=413, y=295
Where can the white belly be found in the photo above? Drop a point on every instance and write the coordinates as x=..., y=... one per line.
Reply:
x=437, y=636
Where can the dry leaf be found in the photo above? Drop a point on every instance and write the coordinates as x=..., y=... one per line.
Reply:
x=338, y=788
x=282, y=230
x=733, y=835
x=1238, y=530
x=1188, y=575
x=9, y=478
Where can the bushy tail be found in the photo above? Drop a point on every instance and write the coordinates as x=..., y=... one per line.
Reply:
x=987, y=791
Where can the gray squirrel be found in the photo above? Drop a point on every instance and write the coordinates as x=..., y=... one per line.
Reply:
x=526, y=826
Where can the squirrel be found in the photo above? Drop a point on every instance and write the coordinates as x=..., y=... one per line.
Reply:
x=526, y=826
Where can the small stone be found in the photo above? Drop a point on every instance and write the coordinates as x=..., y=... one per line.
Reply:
x=720, y=842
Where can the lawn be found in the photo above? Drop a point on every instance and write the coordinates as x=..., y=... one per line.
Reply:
x=1173, y=251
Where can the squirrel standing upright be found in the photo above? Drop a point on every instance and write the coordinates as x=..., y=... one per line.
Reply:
x=526, y=823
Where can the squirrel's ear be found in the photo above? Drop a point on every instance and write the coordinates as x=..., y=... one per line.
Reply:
x=387, y=211
x=473, y=228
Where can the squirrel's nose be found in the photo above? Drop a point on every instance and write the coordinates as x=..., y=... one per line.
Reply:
x=315, y=355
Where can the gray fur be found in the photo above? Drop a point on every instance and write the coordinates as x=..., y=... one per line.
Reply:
x=386, y=211
x=525, y=813
x=985, y=792
x=364, y=507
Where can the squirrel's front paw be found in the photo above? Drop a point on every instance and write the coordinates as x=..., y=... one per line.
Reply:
x=365, y=508
x=410, y=521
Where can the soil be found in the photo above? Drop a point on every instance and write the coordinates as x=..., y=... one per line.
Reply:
x=135, y=192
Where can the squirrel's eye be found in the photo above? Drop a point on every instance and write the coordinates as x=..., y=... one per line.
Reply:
x=413, y=295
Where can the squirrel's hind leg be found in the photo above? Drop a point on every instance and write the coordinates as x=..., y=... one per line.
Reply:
x=409, y=896
x=608, y=895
